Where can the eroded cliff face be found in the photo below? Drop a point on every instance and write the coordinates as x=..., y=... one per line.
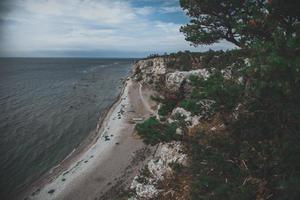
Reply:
x=147, y=185
x=150, y=71
x=175, y=80
x=157, y=73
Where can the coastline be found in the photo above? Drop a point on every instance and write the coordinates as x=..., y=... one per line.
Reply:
x=92, y=137
x=59, y=181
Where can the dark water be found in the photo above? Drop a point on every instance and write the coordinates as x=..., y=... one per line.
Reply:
x=47, y=107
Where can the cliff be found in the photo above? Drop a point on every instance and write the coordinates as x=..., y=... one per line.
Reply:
x=158, y=73
x=175, y=86
x=233, y=120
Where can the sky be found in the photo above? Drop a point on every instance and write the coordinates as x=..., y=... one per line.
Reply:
x=93, y=28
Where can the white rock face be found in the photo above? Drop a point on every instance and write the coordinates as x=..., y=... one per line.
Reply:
x=143, y=190
x=179, y=131
x=236, y=111
x=175, y=79
x=191, y=120
x=150, y=70
x=158, y=168
x=166, y=154
x=227, y=73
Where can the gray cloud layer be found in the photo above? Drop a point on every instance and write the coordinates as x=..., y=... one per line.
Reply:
x=37, y=27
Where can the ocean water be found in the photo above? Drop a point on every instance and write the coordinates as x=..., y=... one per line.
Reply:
x=48, y=106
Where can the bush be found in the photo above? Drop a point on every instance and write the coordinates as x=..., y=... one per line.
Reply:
x=190, y=105
x=153, y=132
x=166, y=108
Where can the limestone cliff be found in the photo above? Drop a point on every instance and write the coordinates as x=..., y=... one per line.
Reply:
x=157, y=72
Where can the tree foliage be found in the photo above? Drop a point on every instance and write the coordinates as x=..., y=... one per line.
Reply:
x=262, y=144
x=239, y=22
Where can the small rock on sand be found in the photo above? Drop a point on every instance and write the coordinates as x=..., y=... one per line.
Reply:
x=51, y=191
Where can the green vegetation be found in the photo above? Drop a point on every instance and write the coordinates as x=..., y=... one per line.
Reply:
x=181, y=61
x=239, y=22
x=190, y=105
x=153, y=132
x=226, y=93
x=167, y=105
x=211, y=59
x=166, y=108
x=257, y=157
x=218, y=174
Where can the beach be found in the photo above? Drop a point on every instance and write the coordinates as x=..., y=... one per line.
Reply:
x=105, y=166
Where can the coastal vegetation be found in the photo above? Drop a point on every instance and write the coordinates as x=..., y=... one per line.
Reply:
x=154, y=132
x=247, y=146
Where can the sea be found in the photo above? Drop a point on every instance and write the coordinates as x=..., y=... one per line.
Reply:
x=48, y=106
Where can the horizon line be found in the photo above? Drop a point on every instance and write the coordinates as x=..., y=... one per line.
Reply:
x=88, y=57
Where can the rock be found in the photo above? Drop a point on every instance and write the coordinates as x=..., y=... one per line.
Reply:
x=191, y=120
x=175, y=79
x=235, y=113
x=206, y=108
x=227, y=73
x=158, y=167
x=241, y=80
x=156, y=113
x=213, y=129
x=155, y=72
x=247, y=62
x=51, y=191
x=179, y=131
x=150, y=71
x=166, y=154
x=143, y=190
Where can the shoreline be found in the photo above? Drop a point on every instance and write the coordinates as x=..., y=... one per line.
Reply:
x=112, y=156
x=31, y=189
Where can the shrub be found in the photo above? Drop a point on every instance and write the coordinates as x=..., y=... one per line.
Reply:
x=153, y=132
x=190, y=105
x=166, y=107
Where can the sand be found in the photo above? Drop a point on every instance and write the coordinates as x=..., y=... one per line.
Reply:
x=107, y=165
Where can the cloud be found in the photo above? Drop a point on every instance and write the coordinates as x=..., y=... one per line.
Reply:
x=147, y=10
x=171, y=9
x=87, y=25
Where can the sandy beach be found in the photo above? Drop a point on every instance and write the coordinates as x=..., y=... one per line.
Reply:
x=108, y=164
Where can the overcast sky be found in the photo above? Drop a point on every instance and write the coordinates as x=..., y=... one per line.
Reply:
x=93, y=28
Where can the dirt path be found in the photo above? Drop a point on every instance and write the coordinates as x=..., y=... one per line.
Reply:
x=145, y=102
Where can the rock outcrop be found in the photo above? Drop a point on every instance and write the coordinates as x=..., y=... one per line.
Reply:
x=175, y=79
x=144, y=185
x=155, y=72
x=150, y=71
x=188, y=117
